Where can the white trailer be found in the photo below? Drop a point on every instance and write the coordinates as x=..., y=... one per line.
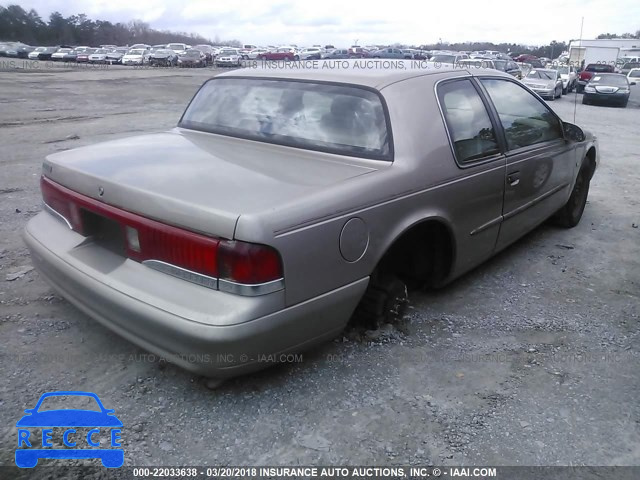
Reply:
x=593, y=54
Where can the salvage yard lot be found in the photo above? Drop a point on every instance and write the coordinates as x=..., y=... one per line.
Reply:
x=531, y=359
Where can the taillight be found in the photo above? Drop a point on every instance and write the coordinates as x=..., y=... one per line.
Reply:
x=233, y=266
x=61, y=204
x=248, y=263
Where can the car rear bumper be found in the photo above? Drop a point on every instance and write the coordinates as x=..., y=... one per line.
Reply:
x=212, y=333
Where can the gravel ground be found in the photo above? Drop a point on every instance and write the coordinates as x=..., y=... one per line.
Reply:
x=531, y=359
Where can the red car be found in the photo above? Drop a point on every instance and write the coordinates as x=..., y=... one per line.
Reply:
x=282, y=53
x=590, y=71
x=83, y=57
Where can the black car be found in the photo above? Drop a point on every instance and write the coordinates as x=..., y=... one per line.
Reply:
x=208, y=52
x=19, y=50
x=607, y=88
x=46, y=53
x=163, y=57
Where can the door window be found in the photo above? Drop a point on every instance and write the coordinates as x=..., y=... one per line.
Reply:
x=525, y=119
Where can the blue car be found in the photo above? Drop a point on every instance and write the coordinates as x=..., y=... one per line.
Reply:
x=70, y=418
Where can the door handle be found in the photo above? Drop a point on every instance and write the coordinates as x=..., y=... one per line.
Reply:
x=513, y=178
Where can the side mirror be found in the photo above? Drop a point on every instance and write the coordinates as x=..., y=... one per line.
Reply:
x=573, y=132
x=632, y=83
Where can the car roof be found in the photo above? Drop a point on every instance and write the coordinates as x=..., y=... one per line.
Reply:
x=369, y=77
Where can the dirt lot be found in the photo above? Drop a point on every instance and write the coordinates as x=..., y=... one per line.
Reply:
x=532, y=359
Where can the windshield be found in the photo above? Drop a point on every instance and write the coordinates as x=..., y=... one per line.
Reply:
x=337, y=118
x=563, y=70
x=500, y=64
x=102, y=50
x=444, y=58
x=228, y=52
x=136, y=52
x=164, y=51
x=634, y=73
x=543, y=74
x=613, y=80
x=598, y=68
x=64, y=50
x=175, y=46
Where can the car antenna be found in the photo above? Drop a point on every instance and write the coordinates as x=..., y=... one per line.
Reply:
x=575, y=98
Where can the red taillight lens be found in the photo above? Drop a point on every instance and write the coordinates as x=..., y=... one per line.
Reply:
x=248, y=263
x=61, y=203
x=175, y=246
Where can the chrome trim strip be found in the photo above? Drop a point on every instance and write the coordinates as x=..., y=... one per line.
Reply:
x=215, y=283
x=182, y=273
x=58, y=216
x=536, y=200
x=251, y=290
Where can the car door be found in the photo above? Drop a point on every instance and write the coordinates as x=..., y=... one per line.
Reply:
x=478, y=195
x=538, y=159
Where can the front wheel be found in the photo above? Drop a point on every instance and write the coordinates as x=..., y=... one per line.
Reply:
x=569, y=216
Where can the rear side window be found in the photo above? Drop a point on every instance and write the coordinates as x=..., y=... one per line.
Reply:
x=525, y=119
x=338, y=118
x=468, y=122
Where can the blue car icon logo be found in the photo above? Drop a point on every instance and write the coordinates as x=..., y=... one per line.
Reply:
x=82, y=432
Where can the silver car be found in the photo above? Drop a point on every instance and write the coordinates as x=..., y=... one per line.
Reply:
x=545, y=82
x=286, y=202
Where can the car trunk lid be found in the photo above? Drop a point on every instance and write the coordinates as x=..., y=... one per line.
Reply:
x=198, y=181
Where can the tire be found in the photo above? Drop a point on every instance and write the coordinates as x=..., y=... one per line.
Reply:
x=384, y=301
x=565, y=90
x=569, y=216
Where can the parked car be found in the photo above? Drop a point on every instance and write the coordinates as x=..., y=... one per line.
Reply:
x=34, y=55
x=336, y=54
x=163, y=58
x=311, y=53
x=448, y=58
x=358, y=52
x=114, y=57
x=178, y=47
x=545, y=82
x=208, y=52
x=301, y=161
x=83, y=57
x=282, y=53
x=607, y=88
x=590, y=70
x=99, y=56
x=59, y=55
x=255, y=53
x=508, y=66
x=192, y=58
x=569, y=77
x=19, y=50
x=626, y=68
x=228, y=57
x=634, y=75
x=388, y=53
x=136, y=56
x=71, y=56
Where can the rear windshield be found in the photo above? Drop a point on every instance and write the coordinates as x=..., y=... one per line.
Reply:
x=341, y=119
x=599, y=68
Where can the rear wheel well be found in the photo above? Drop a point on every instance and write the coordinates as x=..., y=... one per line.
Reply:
x=422, y=256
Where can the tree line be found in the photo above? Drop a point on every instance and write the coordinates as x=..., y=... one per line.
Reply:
x=17, y=24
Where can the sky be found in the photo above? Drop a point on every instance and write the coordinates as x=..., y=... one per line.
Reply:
x=342, y=23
